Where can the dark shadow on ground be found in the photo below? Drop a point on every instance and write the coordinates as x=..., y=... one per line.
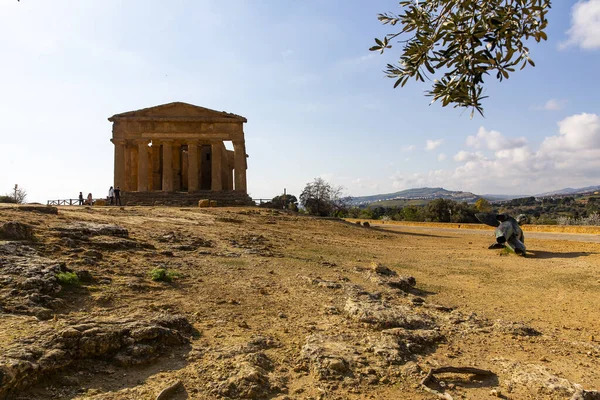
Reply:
x=105, y=376
x=420, y=292
x=386, y=229
x=550, y=254
x=465, y=382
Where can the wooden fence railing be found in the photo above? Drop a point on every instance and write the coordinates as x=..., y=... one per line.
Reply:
x=68, y=202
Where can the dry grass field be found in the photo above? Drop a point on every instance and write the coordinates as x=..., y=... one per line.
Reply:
x=268, y=305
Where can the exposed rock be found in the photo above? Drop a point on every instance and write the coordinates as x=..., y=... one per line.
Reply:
x=537, y=378
x=328, y=357
x=29, y=285
x=244, y=371
x=16, y=249
x=169, y=391
x=123, y=342
x=322, y=283
x=382, y=269
x=77, y=230
x=254, y=244
x=586, y=395
x=397, y=345
x=117, y=243
x=40, y=209
x=382, y=275
x=249, y=378
x=16, y=231
x=93, y=254
x=515, y=328
x=383, y=315
x=85, y=276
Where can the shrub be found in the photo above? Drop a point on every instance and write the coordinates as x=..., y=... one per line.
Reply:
x=7, y=199
x=68, y=278
x=164, y=275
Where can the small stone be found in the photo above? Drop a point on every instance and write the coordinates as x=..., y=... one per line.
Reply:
x=496, y=393
x=244, y=325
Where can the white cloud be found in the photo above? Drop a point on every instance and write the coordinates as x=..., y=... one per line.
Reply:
x=433, y=144
x=361, y=183
x=571, y=158
x=585, y=26
x=463, y=155
x=493, y=140
x=576, y=150
x=552, y=105
x=441, y=157
x=408, y=148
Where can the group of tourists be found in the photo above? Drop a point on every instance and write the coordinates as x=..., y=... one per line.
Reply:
x=114, y=197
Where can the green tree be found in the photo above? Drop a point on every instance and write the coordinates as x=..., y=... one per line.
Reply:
x=439, y=210
x=463, y=41
x=284, y=201
x=482, y=205
x=321, y=198
x=412, y=213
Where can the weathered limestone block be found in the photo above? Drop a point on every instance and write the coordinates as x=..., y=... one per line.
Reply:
x=16, y=231
x=204, y=203
x=122, y=342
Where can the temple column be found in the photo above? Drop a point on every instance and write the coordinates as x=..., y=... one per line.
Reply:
x=119, y=162
x=215, y=167
x=167, y=172
x=192, y=166
x=142, y=175
x=156, y=179
x=239, y=165
x=128, y=173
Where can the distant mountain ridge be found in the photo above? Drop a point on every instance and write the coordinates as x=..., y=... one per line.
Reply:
x=568, y=191
x=427, y=194
x=417, y=194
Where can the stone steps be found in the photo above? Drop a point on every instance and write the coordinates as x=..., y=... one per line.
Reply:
x=223, y=198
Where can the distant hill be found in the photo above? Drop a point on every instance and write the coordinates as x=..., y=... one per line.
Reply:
x=502, y=197
x=414, y=196
x=569, y=191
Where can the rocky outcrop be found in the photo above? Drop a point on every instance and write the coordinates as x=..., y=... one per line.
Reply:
x=123, y=342
x=88, y=229
x=16, y=231
x=29, y=285
x=381, y=314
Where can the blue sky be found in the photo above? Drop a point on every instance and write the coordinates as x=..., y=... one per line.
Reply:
x=316, y=99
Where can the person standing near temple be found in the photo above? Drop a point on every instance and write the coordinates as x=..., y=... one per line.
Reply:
x=117, y=192
x=80, y=198
x=111, y=196
x=90, y=199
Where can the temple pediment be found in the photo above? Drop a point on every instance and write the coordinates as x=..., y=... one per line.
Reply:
x=179, y=111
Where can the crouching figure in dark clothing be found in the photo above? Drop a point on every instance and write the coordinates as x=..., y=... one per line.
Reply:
x=508, y=231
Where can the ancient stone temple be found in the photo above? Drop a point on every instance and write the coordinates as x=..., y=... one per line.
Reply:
x=175, y=154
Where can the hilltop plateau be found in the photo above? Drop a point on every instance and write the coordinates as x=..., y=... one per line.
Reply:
x=246, y=303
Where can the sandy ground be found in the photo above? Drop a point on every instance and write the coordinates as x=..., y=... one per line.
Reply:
x=258, y=278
